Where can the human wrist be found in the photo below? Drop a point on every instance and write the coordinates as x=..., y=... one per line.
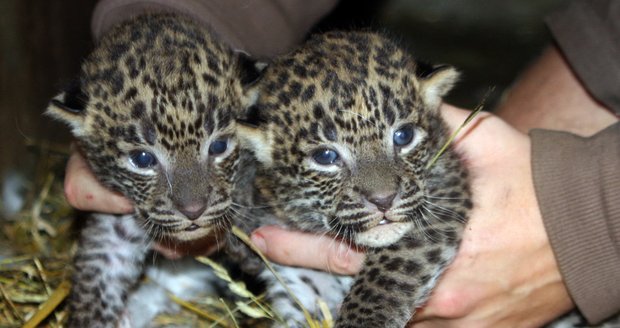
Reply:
x=548, y=95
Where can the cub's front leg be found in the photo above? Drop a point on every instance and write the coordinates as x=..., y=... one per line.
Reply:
x=309, y=286
x=107, y=265
x=393, y=282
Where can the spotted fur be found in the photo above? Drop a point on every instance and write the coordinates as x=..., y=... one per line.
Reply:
x=152, y=99
x=350, y=92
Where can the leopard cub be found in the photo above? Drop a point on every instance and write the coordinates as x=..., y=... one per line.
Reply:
x=154, y=114
x=343, y=130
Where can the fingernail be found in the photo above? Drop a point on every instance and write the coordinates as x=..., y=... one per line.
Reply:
x=259, y=241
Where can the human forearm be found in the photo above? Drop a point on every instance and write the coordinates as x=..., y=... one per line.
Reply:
x=549, y=95
x=263, y=28
x=573, y=88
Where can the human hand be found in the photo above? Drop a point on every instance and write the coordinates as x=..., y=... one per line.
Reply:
x=505, y=273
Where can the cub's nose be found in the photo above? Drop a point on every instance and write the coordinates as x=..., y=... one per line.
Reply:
x=192, y=210
x=383, y=202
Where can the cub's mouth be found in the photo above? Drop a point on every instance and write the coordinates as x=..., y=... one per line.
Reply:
x=195, y=231
x=385, y=221
x=383, y=232
x=186, y=230
x=375, y=221
x=193, y=227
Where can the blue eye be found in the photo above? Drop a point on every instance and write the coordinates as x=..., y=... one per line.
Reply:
x=218, y=147
x=403, y=136
x=142, y=159
x=325, y=156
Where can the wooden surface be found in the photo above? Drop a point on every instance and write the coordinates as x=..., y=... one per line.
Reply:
x=41, y=43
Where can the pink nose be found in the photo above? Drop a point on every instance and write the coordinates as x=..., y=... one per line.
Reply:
x=382, y=202
x=193, y=210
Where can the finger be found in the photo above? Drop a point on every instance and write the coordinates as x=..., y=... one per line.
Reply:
x=454, y=116
x=84, y=192
x=307, y=250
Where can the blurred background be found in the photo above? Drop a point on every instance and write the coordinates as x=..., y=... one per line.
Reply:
x=42, y=43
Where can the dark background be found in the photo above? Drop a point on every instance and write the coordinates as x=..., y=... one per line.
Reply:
x=42, y=42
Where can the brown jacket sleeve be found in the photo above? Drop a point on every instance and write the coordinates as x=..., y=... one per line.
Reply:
x=577, y=179
x=588, y=33
x=263, y=28
x=577, y=184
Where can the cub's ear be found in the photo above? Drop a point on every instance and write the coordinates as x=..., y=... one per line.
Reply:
x=69, y=106
x=250, y=69
x=435, y=82
x=254, y=139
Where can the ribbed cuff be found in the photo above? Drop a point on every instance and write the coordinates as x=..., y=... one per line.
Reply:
x=588, y=32
x=577, y=183
x=263, y=28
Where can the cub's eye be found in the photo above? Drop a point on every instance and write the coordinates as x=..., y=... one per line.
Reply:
x=142, y=159
x=325, y=156
x=218, y=147
x=403, y=136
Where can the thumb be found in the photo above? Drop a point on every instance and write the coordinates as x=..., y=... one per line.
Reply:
x=302, y=249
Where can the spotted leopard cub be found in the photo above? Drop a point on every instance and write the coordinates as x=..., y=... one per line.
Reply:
x=347, y=126
x=154, y=114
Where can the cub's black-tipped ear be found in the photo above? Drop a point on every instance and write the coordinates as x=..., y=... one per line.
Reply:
x=74, y=99
x=251, y=117
x=435, y=82
x=424, y=69
x=68, y=106
x=250, y=69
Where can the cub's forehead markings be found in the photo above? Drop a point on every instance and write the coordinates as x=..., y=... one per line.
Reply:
x=148, y=131
x=328, y=129
x=138, y=110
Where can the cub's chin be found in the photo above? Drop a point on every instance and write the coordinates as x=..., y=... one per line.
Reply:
x=193, y=232
x=177, y=228
x=383, y=234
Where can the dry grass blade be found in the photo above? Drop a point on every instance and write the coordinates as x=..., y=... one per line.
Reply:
x=37, y=222
x=328, y=321
x=237, y=287
x=50, y=305
x=230, y=314
x=41, y=271
x=191, y=307
x=9, y=302
x=240, y=289
x=255, y=313
x=470, y=117
x=312, y=323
